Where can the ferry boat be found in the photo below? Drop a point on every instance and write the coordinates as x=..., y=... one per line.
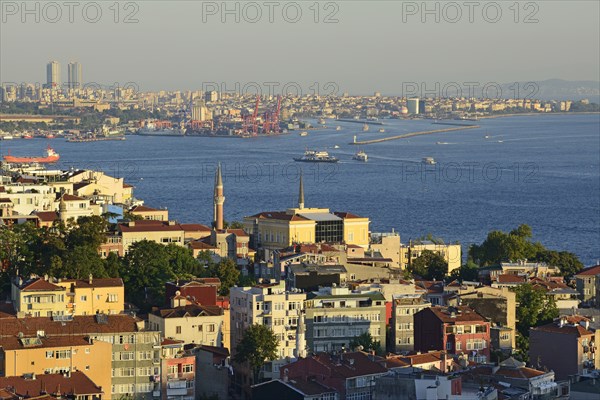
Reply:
x=304, y=133
x=51, y=157
x=361, y=156
x=365, y=127
x=316, y=156
x=428, y=160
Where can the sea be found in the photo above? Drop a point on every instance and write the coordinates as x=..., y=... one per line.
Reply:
x=543, y=171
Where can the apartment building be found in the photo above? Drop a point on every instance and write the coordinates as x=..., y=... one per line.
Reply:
x=577, y=342
x=335, y=316
x=41, y=355
x=404, y=307
x=163, y=232
x=47, y=296
x=458, y=330
x=588, y=285
x=149, y=213
x=190, y=323
x=72, y=386
x=135, y=351
x=271, y=305
x=178, y=372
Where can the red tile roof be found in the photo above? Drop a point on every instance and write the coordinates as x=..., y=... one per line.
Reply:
x=150, y=226
x=78, y=383
x=195, y=228
x=70, y=197
x=96, y=282
x=343, y=367
x=510, y=278
x=40, y=284
x=462, y=314
x=15, y=343
x=200, y=245
x=342, y=214
x=280, y=215
x=568, y=329
x=591, y=271
x=47, y=216
x=188, y=311
x=80, y=325
x=144, y=209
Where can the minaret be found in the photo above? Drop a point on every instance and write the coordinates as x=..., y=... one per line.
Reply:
x=301, y=193
x=62, y=209
x=219, y=199
x=300, y=351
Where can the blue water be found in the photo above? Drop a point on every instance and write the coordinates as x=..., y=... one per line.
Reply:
x=540, y=170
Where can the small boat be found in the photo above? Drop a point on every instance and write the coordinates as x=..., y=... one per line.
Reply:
x=338, y=128
x=50, y=136
x=381, y=130
x=336, y=147
x=442, y=143
x=322, y=121
x=316, y=156
x=428, y=161
x=500, y=141
x=487, y=136
x=365, y=127
x=27, y=136
x=361, y=156
x=304, y=133
x=7, y=137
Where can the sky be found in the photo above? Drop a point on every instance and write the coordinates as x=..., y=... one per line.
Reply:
x=332, y=46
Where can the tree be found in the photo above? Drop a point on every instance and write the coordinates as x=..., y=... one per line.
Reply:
x=429, y=265
x=535, y=308
x=258, y=345
x=366, y=341
x=568, y=262
x=500, y=246
x=226, y=271
x=146, y=269
x=182, y=261
x=466, y=272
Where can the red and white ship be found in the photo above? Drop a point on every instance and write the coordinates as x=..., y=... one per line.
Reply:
x=51, y=157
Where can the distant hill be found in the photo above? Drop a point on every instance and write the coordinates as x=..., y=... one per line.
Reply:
x=558, y=89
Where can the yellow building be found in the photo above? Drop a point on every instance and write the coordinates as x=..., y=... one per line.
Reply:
x=41, y=297
x=60, y=354
x=452, y=253
x=88, y=183
x=150, y=213
x=279, y=229
x=165, y=232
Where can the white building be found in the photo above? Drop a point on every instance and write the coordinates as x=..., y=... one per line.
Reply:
x=271, y=305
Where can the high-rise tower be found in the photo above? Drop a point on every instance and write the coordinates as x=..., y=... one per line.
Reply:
x=219, y=200
x=53, y=74
x=74, y=75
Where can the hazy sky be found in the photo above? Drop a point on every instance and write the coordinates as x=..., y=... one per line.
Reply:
x=373, y=46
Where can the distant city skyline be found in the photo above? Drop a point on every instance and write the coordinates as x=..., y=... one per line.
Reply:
x=374, y=48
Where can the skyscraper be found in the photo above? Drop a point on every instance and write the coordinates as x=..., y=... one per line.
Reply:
x=53, y=74
x=74, y=76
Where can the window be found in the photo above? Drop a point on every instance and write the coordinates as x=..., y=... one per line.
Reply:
x=480, y=329
x=172, y=369
x=449, y=346
x=458, y=345
x=63, y=354
x=199, y=328
x=49, y=354
x=113, y=298
x=83, y=298
x=188, y=368
x=178, y=329
x=210, y=328
x=87, y=350
x=125, y=356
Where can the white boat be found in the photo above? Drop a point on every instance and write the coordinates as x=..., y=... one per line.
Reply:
x=322, y=121
x=7, y=137
x=336, y=147
x=365, y=127
x=487, y=136
x=304, y=133
x=442, y=143
x=361, y=156
x=428, y=160
x=338, y=128
x=157, y=129
x=381, y=130
x=500, y=141
x=316, y=156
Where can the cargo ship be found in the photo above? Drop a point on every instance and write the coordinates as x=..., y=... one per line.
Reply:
x=51, y=157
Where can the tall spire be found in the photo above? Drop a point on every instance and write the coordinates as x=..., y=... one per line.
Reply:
x=301, y=193
x=218, y=200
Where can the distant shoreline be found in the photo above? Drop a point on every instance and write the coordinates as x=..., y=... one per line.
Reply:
x=537, y=114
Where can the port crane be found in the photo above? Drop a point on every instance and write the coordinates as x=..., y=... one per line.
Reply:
x=250, y=122
x=271, y=118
